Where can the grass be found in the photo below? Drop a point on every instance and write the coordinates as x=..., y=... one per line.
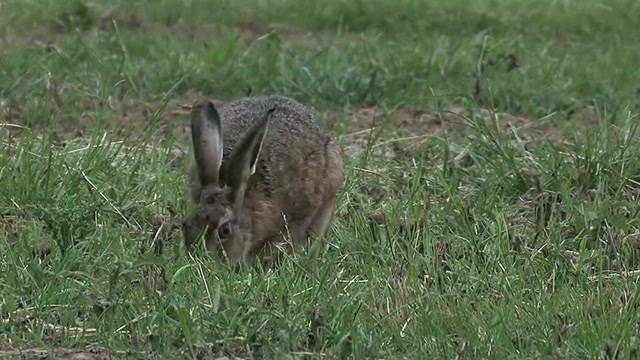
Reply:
x=509, y=232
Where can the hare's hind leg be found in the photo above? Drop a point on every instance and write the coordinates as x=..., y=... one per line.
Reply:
x=301, y=233
x=322, y=219
x=317, y=229
x=334, y=177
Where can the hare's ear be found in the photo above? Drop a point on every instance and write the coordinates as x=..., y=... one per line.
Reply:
x=206, y=134
x=242, y=163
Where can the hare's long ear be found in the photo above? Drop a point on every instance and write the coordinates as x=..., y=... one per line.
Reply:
x=206, y=134
x=242, y=163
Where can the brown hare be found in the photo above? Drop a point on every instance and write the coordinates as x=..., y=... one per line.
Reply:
x=264, y=172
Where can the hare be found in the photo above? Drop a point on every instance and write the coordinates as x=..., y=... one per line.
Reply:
x=264, y=172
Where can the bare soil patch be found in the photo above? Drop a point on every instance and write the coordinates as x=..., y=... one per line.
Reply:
x=357, y=128
x=37, y=353
x=131, y=20
x=411, y=126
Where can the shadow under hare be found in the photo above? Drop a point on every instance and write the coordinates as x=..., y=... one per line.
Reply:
x=264, y=174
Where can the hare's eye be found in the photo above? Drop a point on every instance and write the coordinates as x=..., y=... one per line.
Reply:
x=224, y=231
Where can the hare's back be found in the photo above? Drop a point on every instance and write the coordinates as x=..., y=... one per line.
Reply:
x=297, y=157
x=292, y=129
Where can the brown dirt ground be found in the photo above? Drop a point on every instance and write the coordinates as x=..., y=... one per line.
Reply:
x=355, y=127
x=9, y=352
x=64, y=354
x=76, y=354
x=413, y=127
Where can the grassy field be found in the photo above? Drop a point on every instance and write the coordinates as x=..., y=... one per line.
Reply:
x=491, y=207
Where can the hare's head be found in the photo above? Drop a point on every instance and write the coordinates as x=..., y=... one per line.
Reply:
x=220, y=190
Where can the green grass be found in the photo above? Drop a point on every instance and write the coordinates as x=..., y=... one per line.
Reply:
x=482, y=240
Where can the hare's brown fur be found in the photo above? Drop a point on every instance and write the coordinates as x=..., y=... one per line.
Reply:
x=298, y=171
